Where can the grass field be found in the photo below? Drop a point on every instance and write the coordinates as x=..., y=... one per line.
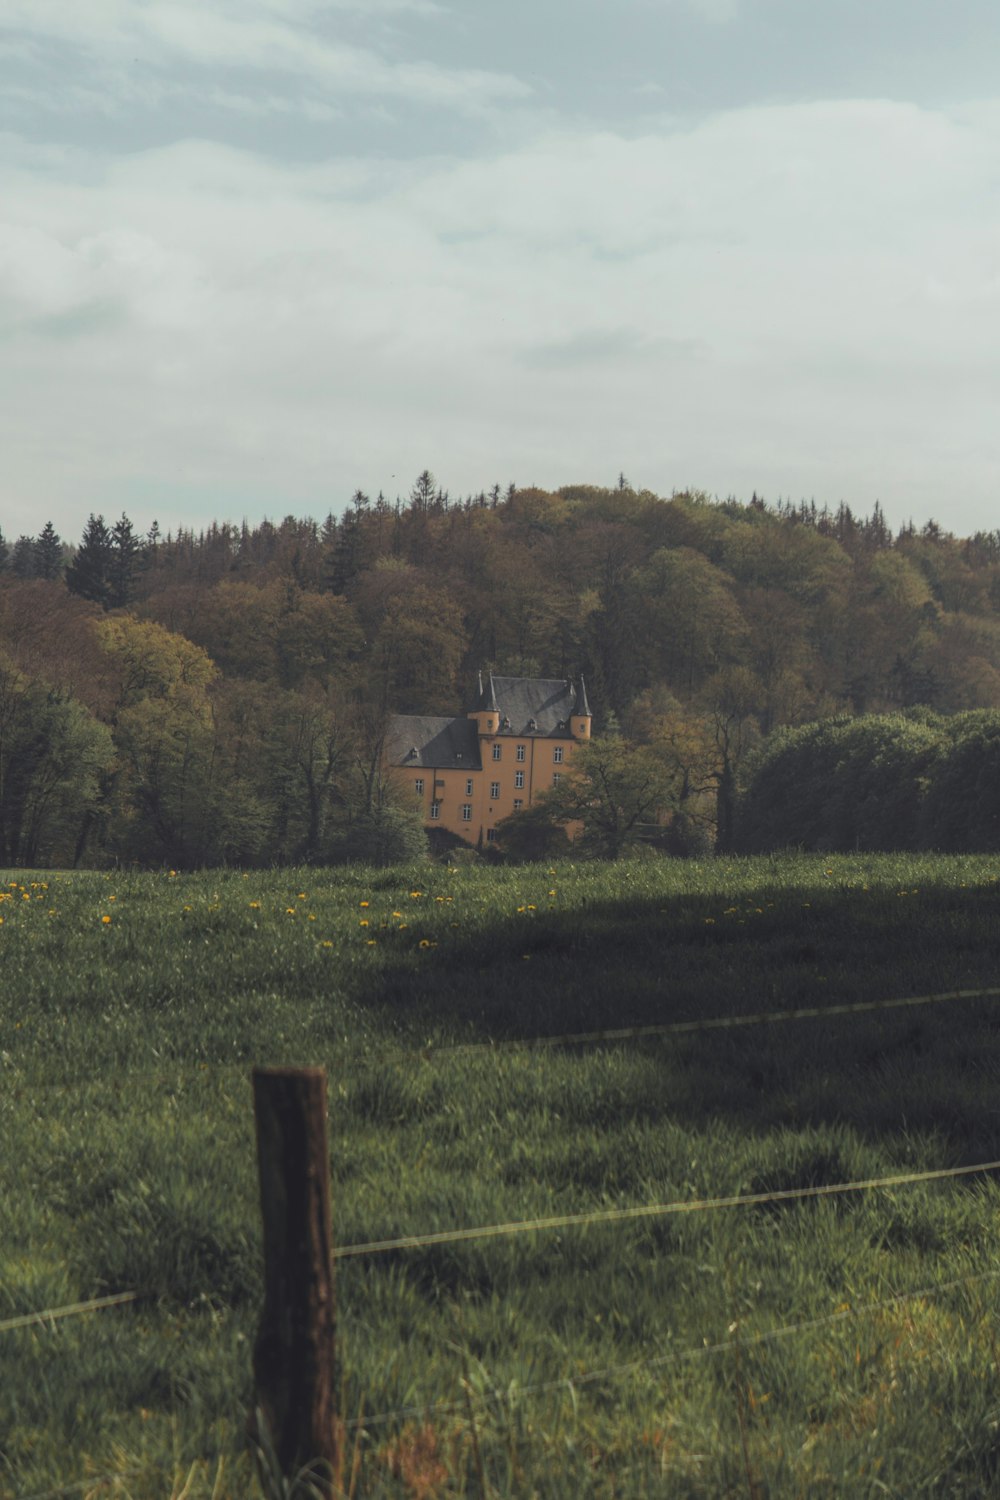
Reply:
x=845, y=1345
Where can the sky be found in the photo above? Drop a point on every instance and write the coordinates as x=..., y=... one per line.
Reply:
x=258, y=254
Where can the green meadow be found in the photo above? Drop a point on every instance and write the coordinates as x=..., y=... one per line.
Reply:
x=842, y=1345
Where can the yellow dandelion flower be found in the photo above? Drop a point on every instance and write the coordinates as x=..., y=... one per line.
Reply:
x=425, y=942
x=302, y=896
x=105, y=920
x=312, y=916
x=415, y=894
x=372, y=942
x=363, y=922
x=397, y=913
x=362, y=903
x=326, y=943
x=289, y=911
x=255, y=906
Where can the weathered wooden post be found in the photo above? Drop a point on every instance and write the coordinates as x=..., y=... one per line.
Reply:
x=294, y=1360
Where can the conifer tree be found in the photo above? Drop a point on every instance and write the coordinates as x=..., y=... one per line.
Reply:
x=48, y=553
x=124, y=563
x=89, y=573
x=4, y=553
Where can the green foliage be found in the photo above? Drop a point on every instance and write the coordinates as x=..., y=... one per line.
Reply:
x=385, y=834
x=54, y=757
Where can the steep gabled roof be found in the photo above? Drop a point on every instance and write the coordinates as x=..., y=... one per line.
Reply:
x=581, y=707
x=534, y=705
x=441, y=744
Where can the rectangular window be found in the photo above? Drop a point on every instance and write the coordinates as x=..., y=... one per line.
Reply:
x=518, y=803
x=556, y=777
x=494, y=790
x=497, y=752
x=491, y=835
x=557, y=754
x=468, y=786
x=435, y=809
x=418, y=786
x=466, y=812
x=520, y=752
x=519, y=778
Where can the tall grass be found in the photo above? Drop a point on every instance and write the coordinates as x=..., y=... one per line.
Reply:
x=631, y=1359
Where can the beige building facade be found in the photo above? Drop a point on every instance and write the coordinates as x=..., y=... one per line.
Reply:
x=471, y=772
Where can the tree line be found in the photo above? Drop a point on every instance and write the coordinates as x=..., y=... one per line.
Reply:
x=220, y=695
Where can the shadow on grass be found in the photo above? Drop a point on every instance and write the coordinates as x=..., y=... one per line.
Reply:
x=637, y=962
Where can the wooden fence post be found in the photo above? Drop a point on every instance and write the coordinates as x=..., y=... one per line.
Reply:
x=294, y=1359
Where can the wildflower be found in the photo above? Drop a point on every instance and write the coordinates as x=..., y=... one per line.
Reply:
x=289, y=911
x=312, y=916
x=363, y=922
x=255, y=906
x=105, y=920
x=363, y=903
x=709, y=921
x=397, y=913
x=425, y=942
x=415, y=894
x=302, y=895
x=326, y=943
x=372, y=942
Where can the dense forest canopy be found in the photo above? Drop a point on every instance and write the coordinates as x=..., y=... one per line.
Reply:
x=220, y=695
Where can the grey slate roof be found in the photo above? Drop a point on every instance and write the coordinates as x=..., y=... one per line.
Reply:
x=547, y=701
x=528, y=706
x=446, y=744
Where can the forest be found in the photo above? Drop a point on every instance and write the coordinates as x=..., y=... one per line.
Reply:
x=197, y=698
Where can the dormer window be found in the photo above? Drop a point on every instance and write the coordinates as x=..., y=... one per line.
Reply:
x=411, y=752
x=532, y=724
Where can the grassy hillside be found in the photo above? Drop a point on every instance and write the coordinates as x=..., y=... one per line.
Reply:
x=841, y=1345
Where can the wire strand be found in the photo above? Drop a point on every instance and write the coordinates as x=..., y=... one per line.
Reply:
x=650, y=1211
x=73, y=1310
x=711, y=1023
x=445, y=1406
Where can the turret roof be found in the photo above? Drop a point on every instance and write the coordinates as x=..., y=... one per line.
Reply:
x=581, y=707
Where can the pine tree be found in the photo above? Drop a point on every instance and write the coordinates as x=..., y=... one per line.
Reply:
x=124, y=563
x=4, y=554
x=89, y=573
x=48, y=553
x=23, y=561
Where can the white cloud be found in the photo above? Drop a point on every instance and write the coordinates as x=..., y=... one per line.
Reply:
x=801, y=299
x=273, y=37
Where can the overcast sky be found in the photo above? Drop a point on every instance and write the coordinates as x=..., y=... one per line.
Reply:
x=255, y=254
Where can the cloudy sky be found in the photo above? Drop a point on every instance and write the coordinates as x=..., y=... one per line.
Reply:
x=255, y=254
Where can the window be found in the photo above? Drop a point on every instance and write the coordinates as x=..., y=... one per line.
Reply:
x=494, y=790
x=518, y=803
x=520, y=752
x=418, y=786
x=497, y=752
x=556, y=777
x=491, y=835
x=519, y=778
x=468, y=786
x=466, y=812
x=435, y=809
x=557, y=754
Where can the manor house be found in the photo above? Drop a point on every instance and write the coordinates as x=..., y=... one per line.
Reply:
x=472, y=771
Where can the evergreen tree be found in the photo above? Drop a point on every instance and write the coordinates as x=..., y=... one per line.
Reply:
x=125, y=549
x=48, y=553
x=89, y=574
x=4, y=553
x=23, y=561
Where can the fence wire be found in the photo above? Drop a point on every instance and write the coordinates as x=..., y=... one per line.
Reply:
x=652, y=1211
